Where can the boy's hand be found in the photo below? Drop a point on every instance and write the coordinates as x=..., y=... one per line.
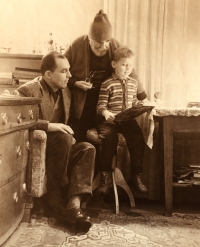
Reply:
x=138, y=103
x=109, y=116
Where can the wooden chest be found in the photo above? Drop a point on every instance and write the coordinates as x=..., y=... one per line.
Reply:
x=17, y=116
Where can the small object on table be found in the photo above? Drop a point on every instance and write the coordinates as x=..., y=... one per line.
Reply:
x=193, y=104
x=158, y=98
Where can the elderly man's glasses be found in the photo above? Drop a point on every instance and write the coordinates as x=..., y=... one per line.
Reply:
x=91, y=75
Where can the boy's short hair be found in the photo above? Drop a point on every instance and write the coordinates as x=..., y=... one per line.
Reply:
x=122, y=52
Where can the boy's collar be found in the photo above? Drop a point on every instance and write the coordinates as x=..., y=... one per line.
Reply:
x=115, y=77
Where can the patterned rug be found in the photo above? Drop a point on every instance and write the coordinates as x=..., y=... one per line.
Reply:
x=106, y=234
x=135, y=228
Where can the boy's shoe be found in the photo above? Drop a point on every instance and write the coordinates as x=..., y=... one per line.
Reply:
x=136, y=183
x=105, y=182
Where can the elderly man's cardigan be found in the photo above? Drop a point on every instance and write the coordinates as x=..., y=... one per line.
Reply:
x=77, y=54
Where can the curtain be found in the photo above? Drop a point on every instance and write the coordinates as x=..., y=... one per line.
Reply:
x=139, y=24
x=165, y=37
x=181, y=47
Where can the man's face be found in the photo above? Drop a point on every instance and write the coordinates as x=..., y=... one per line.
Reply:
x=60, y=76
x=99, y=48
x=123, y=67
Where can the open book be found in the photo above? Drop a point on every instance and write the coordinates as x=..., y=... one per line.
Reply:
x=133, y=112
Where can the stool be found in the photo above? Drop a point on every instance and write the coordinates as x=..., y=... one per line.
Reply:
x=117, y=176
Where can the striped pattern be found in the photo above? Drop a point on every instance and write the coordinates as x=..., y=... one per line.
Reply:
x=117, y=94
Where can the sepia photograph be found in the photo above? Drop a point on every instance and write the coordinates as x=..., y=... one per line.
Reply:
x=100, y=123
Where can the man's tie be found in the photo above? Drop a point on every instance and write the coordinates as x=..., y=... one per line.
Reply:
x=55, y=95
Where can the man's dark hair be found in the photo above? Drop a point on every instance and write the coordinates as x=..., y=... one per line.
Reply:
x=49, y=61
x=122, y=52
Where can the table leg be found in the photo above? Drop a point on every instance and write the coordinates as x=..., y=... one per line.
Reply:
x=168, y=162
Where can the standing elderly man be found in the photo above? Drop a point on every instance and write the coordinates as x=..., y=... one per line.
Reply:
x=66, y=162
x=90, y=59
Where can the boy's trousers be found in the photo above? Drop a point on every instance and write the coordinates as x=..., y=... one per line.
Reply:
x=108, y=132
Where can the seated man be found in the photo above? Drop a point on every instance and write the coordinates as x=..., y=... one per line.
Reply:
x=117, y=93
x=67, y=162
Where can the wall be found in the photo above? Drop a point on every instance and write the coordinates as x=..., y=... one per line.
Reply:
x=8, y=62
x=26, y=24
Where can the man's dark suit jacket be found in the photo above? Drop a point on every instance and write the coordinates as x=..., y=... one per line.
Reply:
x=34, y=88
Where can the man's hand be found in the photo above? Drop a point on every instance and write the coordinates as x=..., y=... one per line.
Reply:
x=83, y=85
x=109, y=116
x=52, y=127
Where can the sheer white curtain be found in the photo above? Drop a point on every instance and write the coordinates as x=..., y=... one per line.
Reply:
x=165, y=37
x=181, y=49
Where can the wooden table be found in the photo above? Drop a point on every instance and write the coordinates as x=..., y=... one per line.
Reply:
x=174, y=120
x=172, y=124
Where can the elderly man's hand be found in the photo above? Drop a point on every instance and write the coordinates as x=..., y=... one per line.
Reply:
x=52, y=127
x=83, y=85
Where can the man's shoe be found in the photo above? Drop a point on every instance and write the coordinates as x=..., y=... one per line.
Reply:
x=136, y=182
x=72, y=216
x=79, y=219
x=105, y=182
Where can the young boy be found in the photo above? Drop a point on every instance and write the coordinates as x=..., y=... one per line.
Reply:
x=118, y=93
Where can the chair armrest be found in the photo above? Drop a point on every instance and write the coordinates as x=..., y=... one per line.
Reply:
x=38, y=187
